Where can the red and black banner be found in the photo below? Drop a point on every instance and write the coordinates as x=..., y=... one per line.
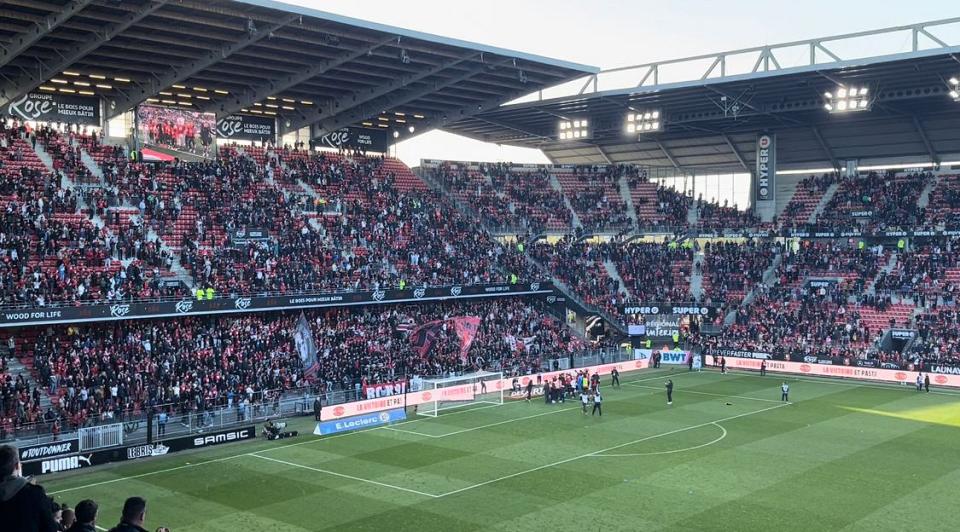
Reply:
x=423, y=337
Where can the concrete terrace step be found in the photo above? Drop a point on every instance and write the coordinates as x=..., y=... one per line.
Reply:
x=611, y=269
x=628, y=200
x=827, y=196
x=44, y=157
x=555, y=183
x=696, y=275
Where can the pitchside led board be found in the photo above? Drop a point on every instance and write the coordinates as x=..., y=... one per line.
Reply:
x=766, y=167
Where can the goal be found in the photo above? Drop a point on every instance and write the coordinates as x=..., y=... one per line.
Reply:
x=443, y=394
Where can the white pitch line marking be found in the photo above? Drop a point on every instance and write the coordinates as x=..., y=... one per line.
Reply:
x=269, y=449
x=341, y=475
x=708, y=393
x=471, y=429
x=672, y=451
x=568, y=460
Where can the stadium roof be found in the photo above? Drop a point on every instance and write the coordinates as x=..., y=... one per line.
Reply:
x=301, y=65
x=712, y=117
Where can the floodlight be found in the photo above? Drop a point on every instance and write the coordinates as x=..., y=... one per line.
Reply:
x=643, y=121
x=573, y=129
x=846, y=99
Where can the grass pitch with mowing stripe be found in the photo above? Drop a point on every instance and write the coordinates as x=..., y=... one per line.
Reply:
x=727, y=455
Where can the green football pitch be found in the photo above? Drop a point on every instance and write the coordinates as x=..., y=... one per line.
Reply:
x=727, y=455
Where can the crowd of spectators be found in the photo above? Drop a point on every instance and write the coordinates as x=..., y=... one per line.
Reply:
x=185, y=367
x=579, y=266
x=654, y=271
x=938, y=338
x=876, y=202
x=730, y=270
x=358, y=348
x=714, y=217
x=805, y=198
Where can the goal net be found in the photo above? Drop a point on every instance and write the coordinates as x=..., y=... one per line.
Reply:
x=457, y=392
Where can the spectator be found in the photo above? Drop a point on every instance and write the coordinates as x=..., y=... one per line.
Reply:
x=133, y=516
x=86, y=517
x=24, y=506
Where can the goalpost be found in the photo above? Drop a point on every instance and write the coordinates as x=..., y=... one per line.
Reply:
x=442, y=394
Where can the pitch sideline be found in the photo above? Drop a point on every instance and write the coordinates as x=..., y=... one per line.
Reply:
x=270, y=449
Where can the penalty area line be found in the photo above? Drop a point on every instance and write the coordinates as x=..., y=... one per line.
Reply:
x=709, y=393
x=615, y=447
x=672, y=451
x=279, y=447
x=342, y=475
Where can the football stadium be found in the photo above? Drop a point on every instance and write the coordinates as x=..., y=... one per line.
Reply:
x=248, y=283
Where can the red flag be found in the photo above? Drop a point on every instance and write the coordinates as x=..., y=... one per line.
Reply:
x=466, y=328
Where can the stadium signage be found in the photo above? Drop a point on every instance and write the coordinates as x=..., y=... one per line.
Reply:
x=45, y=107
x=766, y=166
x=741, y=353
x=143, y=451
x=353, y=137
x=247, y=127
x=49, y=450
x=245, y=236
x=357, y=408
x=373, y=419
x=673, y=358
x=945, y=369
x=902, y=334
x=225, y=437
x=66, y=463
x=843, y=371
x=653, y=309
x=821, y=283
x=165, y=309
x=536, y=391
x=838, y=233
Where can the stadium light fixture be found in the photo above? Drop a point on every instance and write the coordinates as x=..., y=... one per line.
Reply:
x=847, y=99
x=574, y=129
x=644, y=121
x=955, y=89
x=396, y=134
x=411, y=129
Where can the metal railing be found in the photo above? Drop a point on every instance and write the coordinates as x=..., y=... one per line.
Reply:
x=898, y=42
x=288, y=403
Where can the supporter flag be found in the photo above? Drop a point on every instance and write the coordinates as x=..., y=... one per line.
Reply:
x=306, y=347
x=423, y=337
x=466, y=328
